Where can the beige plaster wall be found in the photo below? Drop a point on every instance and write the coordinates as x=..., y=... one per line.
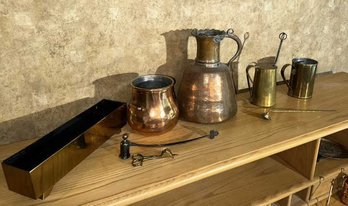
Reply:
x=59, y=57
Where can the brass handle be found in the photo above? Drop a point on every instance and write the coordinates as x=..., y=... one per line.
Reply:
x=246, y=36
x=282, y=72
x=282, y=37
x=249, y=79
x=230, y=34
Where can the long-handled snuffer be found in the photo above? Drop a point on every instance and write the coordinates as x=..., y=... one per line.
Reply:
x=267, y=115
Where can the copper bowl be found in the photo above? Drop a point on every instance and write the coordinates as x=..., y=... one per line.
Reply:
x=153, y=107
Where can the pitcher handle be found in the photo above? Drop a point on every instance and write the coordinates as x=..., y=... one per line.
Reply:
x=249, y=79
x=230, y=34
x=282, y=72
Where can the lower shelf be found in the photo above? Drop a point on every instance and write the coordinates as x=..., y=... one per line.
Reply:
x=258, y=183
x=331, y=169
x=328, y=166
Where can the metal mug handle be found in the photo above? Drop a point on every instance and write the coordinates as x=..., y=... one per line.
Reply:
x=230, y=34
x=249, y=79
x=282, y=72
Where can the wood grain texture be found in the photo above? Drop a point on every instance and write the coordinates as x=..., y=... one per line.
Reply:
x=104, y=179
x=331, y=166
x=297, y=201
x=340, y=137
x=321, y=201
x=330, y=169
x=303, y=159
x=258, y=183
x=334, y=201
x=285, y=201
x=322, y=188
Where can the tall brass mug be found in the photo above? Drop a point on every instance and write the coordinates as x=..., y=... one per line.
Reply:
x=302, y=76
x=263, y=91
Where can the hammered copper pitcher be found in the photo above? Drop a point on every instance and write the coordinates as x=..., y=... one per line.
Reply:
x=207, y=91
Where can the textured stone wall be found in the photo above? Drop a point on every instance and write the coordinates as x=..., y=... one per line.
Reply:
x=59, y=57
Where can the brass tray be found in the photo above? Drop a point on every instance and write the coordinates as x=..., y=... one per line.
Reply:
x=35, y=169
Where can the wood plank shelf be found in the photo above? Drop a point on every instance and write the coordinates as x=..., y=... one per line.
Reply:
x=244, y=140
x=329, y=169
x=331, y=166
x=258, y=183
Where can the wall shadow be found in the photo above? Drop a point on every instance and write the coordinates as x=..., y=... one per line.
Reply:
x=234, y=66
x=234, y=69
x=269, y=60
x=177, y=57
x=266, y=60
x=40, y=123
x=115, y=87
x=261, y=62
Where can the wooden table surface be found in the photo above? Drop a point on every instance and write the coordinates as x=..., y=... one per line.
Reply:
x=103, y=179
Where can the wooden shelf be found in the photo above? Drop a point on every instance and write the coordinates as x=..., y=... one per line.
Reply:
x=258, y=183
x=330, y=169
x=327, y=167
x=296, y=201
x=103, y=179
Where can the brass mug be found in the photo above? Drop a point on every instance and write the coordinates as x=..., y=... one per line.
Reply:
x=263, y=91
x=153, y=107
x=302, y=77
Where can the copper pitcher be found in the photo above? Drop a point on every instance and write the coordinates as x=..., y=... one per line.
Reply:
x=207, y=91
x=153, y=107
